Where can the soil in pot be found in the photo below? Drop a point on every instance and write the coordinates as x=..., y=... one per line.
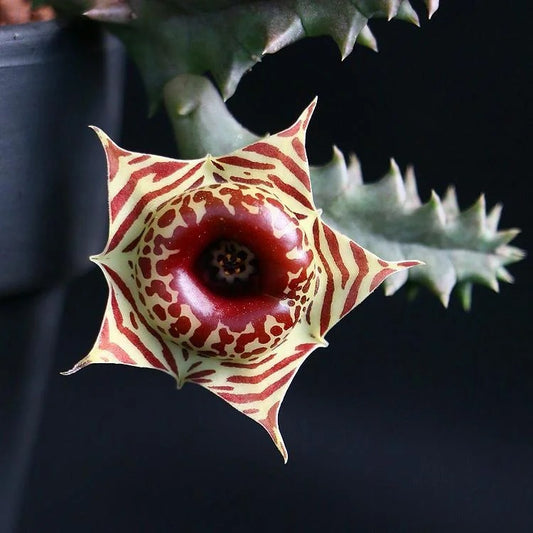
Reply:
x=20, y=12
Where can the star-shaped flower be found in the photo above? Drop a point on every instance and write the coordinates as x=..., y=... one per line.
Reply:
x=222, y=273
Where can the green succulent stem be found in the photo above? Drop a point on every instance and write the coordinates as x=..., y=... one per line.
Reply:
x=201, y=121
x=176, y=43
x=228, y=37
x=387, y=217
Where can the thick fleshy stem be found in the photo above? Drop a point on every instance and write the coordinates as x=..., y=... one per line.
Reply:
x=459, y=247
x=202, y=123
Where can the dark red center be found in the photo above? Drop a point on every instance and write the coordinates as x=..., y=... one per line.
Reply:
x=234, y=258
x=229, y=268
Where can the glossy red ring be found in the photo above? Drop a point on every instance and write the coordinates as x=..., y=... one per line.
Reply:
x=173, y=288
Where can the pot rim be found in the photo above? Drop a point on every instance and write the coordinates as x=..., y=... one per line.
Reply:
x=35, y=42
x=29, y=30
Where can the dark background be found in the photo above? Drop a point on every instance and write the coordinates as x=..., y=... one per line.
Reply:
x=415, y=418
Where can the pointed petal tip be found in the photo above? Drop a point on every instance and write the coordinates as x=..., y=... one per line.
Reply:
x=277, y=439
x=311, y=107
x=78, y=366
x=410, y=263
x=305, y=117
x=390, y=269
x=104, y=138
x=284, y=453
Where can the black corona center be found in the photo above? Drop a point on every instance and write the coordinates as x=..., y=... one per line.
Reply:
x=229, y=267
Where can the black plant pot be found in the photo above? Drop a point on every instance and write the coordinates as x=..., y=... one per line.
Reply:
x=55, y=80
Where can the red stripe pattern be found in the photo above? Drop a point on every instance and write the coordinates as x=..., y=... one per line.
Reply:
x=250, y=360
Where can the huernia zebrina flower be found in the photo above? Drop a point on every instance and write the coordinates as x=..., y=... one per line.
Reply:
x=222, y=273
